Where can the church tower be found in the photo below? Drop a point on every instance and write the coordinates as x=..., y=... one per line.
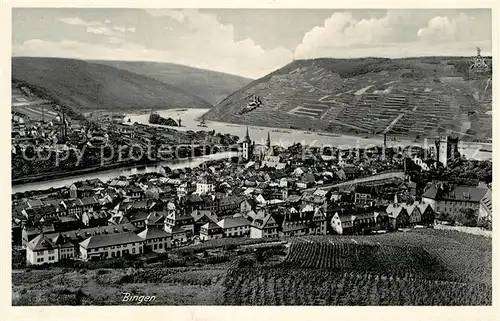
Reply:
x=247, y=147
x=268, y=143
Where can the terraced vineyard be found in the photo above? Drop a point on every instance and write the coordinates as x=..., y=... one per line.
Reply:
x=411, y=97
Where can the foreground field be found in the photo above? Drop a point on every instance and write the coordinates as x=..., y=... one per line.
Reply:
x=420, y=267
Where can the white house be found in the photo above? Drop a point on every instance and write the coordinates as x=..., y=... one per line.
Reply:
x=234, y=226
x=211, y=231
x=155, y=239
x=111, y=245
x=43, y=249
x=264, y=227
x=205, y=188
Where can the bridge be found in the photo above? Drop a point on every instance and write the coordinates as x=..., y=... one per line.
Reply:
x=378, y=178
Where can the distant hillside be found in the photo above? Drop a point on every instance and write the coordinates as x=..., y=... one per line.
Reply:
x=85, y=86
x=209, y=85
x=410, y=97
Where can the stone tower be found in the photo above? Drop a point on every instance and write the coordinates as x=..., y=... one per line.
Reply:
x=247, y=147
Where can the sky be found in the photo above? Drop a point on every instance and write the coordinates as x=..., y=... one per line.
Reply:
x=247, y=42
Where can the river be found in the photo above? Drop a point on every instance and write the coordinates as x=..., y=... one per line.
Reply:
x=190, y=120
x=110, y=174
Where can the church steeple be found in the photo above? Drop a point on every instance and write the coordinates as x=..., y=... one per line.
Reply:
x=247, y=137
x=268, y=144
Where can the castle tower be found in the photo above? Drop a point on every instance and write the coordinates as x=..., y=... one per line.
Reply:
x=442, y=150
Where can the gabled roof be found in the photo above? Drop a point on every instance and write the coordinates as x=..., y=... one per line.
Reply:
x=230, y=200
x=458, y=193
x=88, y=201
x=104, y=240
x=410, y=207
x=211, y=226
x=177, y=216
x=231, y=222
x=156, y=218
x=263, y=222
x=394, y=210
x=294, y=198
x=153, y=232
x=198, y=214
x=33, y=203
x=41, y=242
x=138, y=216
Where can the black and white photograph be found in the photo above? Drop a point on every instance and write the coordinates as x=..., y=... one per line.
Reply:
x=251, y=156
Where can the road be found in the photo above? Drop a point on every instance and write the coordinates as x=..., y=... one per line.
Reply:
x=378, y=177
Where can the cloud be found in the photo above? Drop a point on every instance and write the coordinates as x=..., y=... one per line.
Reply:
x=342, y=30
x=115, y=34
x=441, y=28
x=399, y=33
x=74, y=21
x=207, y=43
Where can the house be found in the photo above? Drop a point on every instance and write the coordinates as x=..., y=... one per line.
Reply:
x=104, y=246
x=78, y=206
x=138, y=219
x=450, y=200
x=415, y=217
x=191, y=202
x=211, y=231
x=45, y=249
x=248, y=205
x=180, y=236
x=155, y=239
x=234, y=226
x=81, y=190
x=426, y=213
x=205, y=186
x=156, y=219
x=264, y=227
x=317, y=224
x=36, y=214
x=295, y=223
x=342, y=223
x=176, y=221
x=134, y=192
x=398, y=216
x=91, y=219
x=210, y=203
x=351, y=172
x=230, y=203
x=201, y=218
x=364, y=221
x=363, y=194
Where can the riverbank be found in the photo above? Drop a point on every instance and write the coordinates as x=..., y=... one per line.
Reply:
x=287, y=137
x=109, y=174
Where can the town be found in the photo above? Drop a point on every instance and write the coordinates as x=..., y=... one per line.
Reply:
x=266, y=192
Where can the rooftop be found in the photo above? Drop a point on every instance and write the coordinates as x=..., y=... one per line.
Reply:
x=104, y=240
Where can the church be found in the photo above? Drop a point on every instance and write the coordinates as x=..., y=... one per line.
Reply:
x=262, y=154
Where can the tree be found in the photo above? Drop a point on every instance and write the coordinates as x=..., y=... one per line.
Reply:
x=467, y=217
